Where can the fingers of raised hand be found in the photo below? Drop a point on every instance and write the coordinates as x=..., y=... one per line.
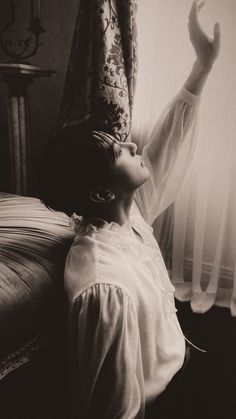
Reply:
x=193, y=16
x=195, y=9
x=200, y=5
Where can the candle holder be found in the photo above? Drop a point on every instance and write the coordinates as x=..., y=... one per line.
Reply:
x=23, y=48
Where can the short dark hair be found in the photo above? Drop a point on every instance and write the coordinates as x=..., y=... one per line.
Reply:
x=74, y=162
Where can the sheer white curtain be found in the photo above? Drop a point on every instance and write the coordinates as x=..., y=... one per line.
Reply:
x=201, y=226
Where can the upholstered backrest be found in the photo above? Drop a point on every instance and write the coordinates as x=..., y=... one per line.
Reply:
x=34, y=242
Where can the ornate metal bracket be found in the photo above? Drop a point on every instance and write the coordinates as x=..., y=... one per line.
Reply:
x=25, y=48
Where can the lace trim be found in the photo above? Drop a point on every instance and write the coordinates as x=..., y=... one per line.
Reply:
x=79, y=225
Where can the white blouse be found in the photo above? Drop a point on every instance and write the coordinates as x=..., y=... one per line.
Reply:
x=125, y=343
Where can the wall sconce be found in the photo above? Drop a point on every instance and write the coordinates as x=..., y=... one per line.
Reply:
x=23, y=48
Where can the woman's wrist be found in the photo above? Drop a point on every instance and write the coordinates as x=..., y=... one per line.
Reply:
x=202, y=68
x=197, y=77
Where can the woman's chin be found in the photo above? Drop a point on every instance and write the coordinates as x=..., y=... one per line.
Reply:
x=146, y=175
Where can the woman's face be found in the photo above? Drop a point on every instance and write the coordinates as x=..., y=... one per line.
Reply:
x=128, y=171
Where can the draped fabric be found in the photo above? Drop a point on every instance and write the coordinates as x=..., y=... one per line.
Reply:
x=102, y=67
x=197, y=235
x=204, y=239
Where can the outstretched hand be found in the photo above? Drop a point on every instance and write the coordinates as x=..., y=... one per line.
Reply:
x=206, y=49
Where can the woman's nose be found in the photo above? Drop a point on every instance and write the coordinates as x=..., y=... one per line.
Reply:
x=132, y=147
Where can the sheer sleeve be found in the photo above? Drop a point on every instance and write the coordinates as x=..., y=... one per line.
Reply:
x=105, y=377
x=168, y=155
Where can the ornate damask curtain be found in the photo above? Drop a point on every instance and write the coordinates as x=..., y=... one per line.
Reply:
x=102, y=67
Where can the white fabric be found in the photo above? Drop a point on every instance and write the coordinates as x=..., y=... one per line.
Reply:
x=125, y=342
x=173, y=138
x=204, y=242
x=204, y=239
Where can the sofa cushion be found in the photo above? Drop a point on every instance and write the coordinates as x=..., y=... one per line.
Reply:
x=34, y=242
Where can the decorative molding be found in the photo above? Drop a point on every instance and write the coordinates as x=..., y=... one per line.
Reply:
x=19, y=357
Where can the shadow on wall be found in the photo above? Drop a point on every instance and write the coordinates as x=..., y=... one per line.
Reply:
x=58, y=18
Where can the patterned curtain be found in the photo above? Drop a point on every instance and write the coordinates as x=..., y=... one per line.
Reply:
x=102, y=67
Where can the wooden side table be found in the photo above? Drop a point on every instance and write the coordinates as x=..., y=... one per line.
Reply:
x=18, y=77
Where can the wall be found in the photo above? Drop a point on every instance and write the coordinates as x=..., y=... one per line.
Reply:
x=166, y=57
x=58, y=18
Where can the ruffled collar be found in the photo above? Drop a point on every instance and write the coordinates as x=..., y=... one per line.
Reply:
x=126, y=233
x=79, y=225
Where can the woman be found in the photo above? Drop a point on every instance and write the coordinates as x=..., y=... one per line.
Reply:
x=125, y=342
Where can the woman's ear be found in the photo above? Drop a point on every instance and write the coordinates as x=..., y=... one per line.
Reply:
x=102, y=195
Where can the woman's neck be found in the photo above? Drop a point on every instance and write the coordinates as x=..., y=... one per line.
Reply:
x=117, y=211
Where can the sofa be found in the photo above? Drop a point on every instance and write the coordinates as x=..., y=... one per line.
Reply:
x=34, y=242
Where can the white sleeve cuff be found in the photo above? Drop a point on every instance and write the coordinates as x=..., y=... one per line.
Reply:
x=188, y=97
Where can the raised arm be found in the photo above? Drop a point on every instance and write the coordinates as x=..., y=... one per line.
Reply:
x=206, y=50
x=172, y=142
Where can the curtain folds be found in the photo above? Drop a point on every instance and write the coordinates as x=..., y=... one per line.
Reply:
x=102, y=68
x=198, y=234
x=204, y=234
